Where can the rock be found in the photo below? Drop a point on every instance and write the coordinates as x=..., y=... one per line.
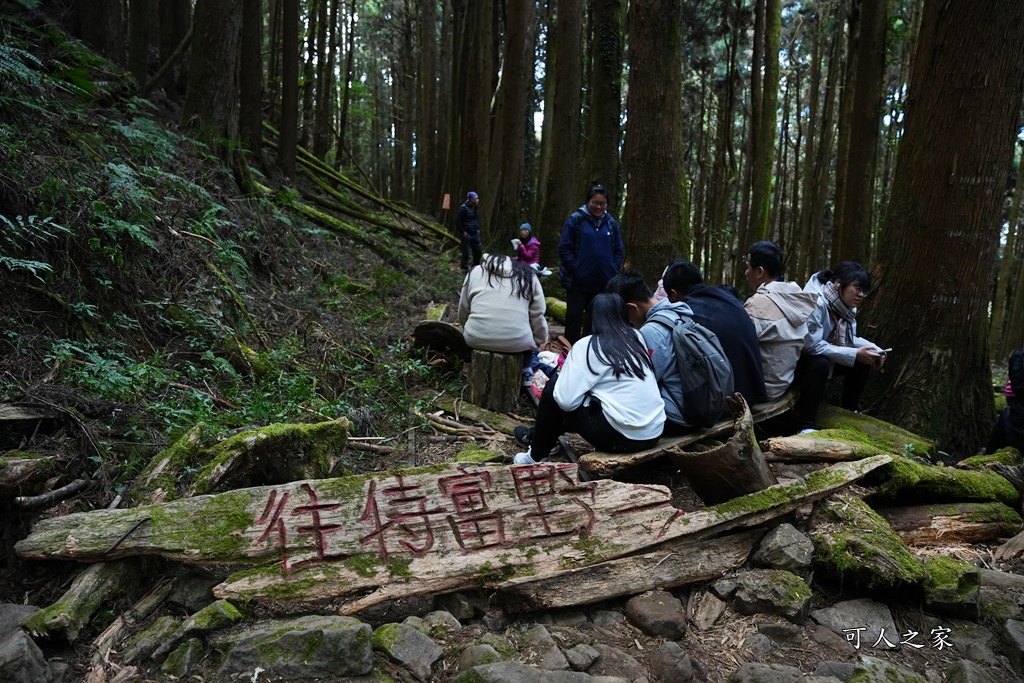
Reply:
x=951, y=586
x=478, y=654
x=658, y=614
x=418, y=624
x=758, y=645
x=725, y=588
x=408, y=647
x=966, y=671
x=441, y=621
x=496, y=620
x=569, y=618
x=193, y=591
x=825, y=636
x=709, y=608
x=145, y=643
x=615, y=662
x=862, y=622
x=840, y=670
x=581, y=657
x=875, y=670
x=785, y=548
x=395, y=611
x=998, y=604
x=606, y=617
x=499, y=643
x=183, y=660
x=855, y=543
x=213, y=617
x=778, y=631
x=457, y=605
x=549, y=657
x=302, y=647
x=1013, y=643
x=766, y=673
x=671, y=664
x=772, y=591
x=973, y=642
x=11, y=614
x=515, y=672
x=21, y=660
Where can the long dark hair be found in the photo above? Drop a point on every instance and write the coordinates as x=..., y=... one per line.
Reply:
x=614, y=342
x=848, y=273
x=522, y=275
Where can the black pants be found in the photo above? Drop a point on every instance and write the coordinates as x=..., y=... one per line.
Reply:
x=587, y=421
x=810, y=379
x=471, y=241
x=578, y=312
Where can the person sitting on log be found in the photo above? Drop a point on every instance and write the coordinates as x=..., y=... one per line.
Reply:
x=502, y=307
x=1009, y=427
x=640, y=306
x=606, y=391
x=720, y=311
x=779, y=311
x=832, y=345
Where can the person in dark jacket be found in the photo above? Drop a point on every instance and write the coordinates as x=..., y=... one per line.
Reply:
x=1009, y=427
x=467, y=229
x=721, y=312
x=590, y=252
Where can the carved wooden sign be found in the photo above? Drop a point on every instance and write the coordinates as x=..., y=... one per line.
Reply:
x=405, y=533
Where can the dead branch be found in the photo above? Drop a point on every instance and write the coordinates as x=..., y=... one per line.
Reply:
x=53, y=497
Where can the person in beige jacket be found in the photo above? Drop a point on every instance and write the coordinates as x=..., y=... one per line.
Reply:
x=502, y=307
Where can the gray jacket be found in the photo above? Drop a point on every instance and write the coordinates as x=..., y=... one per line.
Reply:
x=780, y=311
x=659, y=342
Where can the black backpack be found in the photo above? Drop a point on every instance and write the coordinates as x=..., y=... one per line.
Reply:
x=706, y=373
x=1015, y=370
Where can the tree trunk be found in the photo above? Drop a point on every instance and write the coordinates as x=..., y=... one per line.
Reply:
x=326, y=43
x=945, y=524
x=288, y=137
x=311, y=30
x=101, y=25
x=658, y=229
x=947, y=196
x=350, y=33
x=761, y=179
x=753, y=128
x=1008, y=263
x=506, y=160
x=853, y=240
x=210, y=111
x=428, y=166
x=603, y=127
x=175, y=19
x=559, y=187
x=139, y=21
x=250, y=77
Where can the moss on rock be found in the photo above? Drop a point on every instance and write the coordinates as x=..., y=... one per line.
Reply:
x=952, y=586
x=911, y=482
x=472, y=453
x=855, y=543
x=1007, y=456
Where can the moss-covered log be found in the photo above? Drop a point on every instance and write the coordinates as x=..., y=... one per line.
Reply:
x=94, y=586
x=1008, y=456
x=952, y=587
x=911, y=482
x=159, y=481
x=23, y=473
x=463, y=410
x=944, y=523
x=556, y=309
x=887, y=438
x=856, y=544
x=818, y=447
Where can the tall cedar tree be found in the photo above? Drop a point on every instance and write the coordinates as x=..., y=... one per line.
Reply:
x=603, y=127
x=427, y=162
x=289, y=132
x=100, y=23
x=761, y=180
x=656, y=215
x=507, y=157
x=210, y=111
x=559, y=189
x=938, y=242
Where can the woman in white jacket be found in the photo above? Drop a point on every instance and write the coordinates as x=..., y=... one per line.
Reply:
x=832, y=345
x=606, y=391
x=502, y=307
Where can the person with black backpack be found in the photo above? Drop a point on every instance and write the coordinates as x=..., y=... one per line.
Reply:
x=1009, y=427
x=694, y=376
x=590, y=252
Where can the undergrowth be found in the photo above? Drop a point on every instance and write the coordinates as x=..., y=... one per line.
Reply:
x=131, y=273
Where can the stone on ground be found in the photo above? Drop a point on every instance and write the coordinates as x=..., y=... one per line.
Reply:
x=408, y=647
x=659, y=614
x=862, y=621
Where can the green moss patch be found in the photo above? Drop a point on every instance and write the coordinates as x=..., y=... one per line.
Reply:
x=1007, y=456
x=887, y=438
x=952, y=586
x=472, y=453
x=911, y=482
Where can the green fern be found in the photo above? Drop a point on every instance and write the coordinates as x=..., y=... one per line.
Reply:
x=19, y=67
x=19, y=234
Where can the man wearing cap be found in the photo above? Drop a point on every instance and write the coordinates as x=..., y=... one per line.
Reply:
x=467, y=229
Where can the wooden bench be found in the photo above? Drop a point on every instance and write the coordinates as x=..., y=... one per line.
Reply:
x=606, y=463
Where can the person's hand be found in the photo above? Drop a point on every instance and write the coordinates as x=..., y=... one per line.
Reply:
x=869, y=355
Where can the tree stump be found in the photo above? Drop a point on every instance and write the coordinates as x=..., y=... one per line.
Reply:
x=495, y=380
x=734, y=469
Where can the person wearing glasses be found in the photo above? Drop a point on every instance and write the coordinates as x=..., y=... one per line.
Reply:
x=590, y=253
x=832, y=346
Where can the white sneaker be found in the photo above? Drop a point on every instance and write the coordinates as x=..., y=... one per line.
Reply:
x=524, y=458
x=809, y=430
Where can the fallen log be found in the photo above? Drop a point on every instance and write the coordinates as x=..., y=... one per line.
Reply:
x=441, y=337
x=52, y=497
x=1011, y=549
x=21, y=473
x=606, y=463
x=677, y=563
x=464, y=410
x=811, y=448
x=733, y=469
x=925, y=525
x=412, y=531
x=90, y=589
x=910, y=482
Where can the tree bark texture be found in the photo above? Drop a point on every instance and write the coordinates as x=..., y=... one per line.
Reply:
x=761, y=180
x=210, y=110
x=657, y=229
x=947, y=197
x=288, y=139
x=101, y=24
x=428, y=165
x=603, y=130
x=175, y=18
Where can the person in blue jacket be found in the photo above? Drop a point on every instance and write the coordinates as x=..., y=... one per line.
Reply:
x=590, y=252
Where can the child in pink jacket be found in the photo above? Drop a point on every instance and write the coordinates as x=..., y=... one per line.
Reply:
x=528, y=246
